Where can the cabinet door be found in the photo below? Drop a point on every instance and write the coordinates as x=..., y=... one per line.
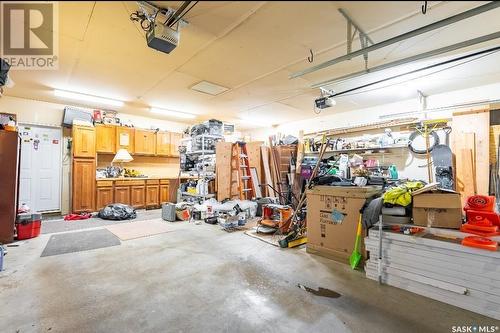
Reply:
x=104, y=197
x=163, y=144
x=175, y=141
x=105, y=139
x=145, y=142
x=83, y=185
x=83, y=141
x=125, y=139
x=152, y=195
x=137, y=196
x=164, y=194
x=122, y=195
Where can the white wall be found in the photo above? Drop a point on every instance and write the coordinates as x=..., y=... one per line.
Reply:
x=362, y=116
x=407, y=163
x=51, y=114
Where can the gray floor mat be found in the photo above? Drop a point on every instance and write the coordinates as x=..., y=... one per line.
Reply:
x=59, y=225
x=79, y=241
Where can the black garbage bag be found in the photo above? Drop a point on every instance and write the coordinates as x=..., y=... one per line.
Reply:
x=117, y=211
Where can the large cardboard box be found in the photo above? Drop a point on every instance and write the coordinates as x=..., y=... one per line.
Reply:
x=332, y=219
x=437, y=209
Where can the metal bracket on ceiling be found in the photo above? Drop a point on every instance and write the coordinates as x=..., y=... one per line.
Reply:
x=354, y=29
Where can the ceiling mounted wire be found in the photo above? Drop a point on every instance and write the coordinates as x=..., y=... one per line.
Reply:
x=480, y=55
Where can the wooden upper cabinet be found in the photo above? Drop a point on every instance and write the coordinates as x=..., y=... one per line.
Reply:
x=83, y=185
x=145, y=142
x=163, y=143
x=125, y=139
x=105, y=139
x=83, y=141
x=175, y=141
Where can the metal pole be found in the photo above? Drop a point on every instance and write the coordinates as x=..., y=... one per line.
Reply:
x=433, y=26
x=417, y=57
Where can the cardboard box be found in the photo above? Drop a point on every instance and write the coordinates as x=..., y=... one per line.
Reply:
x=435, y=209
x=332, y=219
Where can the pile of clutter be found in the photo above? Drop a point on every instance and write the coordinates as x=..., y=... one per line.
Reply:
x=229, y=214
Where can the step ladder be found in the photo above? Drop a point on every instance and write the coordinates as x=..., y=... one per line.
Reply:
x=240, y=172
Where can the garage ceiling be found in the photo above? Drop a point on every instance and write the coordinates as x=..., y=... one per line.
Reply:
x=250, y=48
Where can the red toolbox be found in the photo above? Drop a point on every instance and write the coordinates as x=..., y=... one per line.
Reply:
x=28, y=225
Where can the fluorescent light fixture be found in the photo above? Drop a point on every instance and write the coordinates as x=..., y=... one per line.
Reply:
x=176, y=114
x=87, y=98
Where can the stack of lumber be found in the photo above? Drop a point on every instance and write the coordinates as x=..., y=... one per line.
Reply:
x=439, y=268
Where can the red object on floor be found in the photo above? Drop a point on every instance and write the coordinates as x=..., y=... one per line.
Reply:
x=28, y=230
x=480, y=243
x=485, y=231
x=482, y=218
x=480, y=202
x=76, y=217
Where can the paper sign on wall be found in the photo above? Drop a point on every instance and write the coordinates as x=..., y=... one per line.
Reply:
x=124, y=139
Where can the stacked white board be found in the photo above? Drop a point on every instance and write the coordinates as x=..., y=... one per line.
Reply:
x=443, y=270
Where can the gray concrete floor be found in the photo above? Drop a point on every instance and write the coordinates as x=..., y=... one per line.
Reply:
x=199, y=278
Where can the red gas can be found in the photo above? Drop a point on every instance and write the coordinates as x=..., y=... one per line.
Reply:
x=29, y=228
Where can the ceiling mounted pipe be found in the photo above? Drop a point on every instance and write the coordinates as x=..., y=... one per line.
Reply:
x=404, y=61
x=433, y=26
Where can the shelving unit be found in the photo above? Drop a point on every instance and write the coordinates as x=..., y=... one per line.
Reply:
x=353, y=150
x=201, y=154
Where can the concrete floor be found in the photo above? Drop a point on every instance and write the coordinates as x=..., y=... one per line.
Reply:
x=199, y=278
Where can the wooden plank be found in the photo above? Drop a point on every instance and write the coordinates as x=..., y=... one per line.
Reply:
x=254, y=157
x=223, y=169
x=476, y=122
x=469, y=302
x=256, y=183
x=494, y=133
x=267, y=171
x=393, y=252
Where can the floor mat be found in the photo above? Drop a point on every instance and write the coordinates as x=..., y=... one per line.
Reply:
x=50, y=226
x=79, y=241
x=127, y=231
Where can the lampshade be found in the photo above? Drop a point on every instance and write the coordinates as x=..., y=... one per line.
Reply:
x=122, y=156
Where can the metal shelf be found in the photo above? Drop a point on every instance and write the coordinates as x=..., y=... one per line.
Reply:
x=211, y=195
x=357, y=150
x=201, y=152
x=207, y=136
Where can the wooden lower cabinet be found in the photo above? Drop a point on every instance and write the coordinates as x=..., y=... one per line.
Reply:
x=83, y=185
x=164, y=193
x=137, y=196
x=104, y=197
x=122, y=195
x=152, y=195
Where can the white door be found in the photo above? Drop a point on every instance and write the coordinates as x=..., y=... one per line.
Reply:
x=40, y=175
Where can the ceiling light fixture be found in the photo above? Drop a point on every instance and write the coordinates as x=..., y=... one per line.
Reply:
x=88, y=98
x=172, y=113
x=209, y=88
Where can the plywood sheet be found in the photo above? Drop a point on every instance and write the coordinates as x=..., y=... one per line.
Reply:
x=254, y=157
x=267, y=171
x=494, y=133
x=477, y=123
x=223, y=169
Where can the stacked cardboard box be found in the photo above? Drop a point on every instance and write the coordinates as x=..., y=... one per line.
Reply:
x=437, y=266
